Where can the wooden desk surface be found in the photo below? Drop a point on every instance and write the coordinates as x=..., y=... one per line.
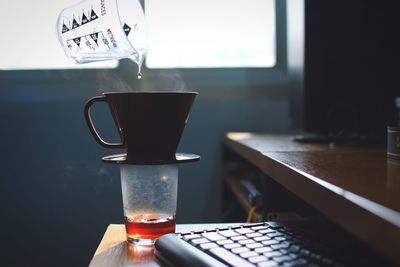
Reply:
x=356, y=187
x=114, y=251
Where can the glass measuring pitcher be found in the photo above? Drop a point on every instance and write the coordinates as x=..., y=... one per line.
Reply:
x=97, y=30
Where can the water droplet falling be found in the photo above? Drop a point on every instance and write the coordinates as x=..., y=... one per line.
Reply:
x=139, y=74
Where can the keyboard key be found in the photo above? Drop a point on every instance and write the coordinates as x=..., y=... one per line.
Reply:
x=253, y=235
x=254, y=245
x=274, y=234
x=263, y=249
x=213, y=236
x=233, y=245
x=315, y=256
x=290, y=264
x=191, y=236
x=256, y=225
x=200, y=241
x=282, y=259
x=186, y=233
x=267, y=264
x=240, y=250
x=229, y=257
x=206, y=246
x=301, y=261
x=224, y=242
x=237, y=238
x=294, y=248
x=246, y=241
x=270, y=242
x=284, y=251
x=292, y=256
x=248, y=254
x=244, y=231
x=261, y=227
x=281, y=238
x=266, y=231
x=261, y=238
x=277, y=246
x=305, y=252
x=288, y=237
x=258, y=259
x=273, y=254
x=275, y=225
x=281, y=245
x=228, y=233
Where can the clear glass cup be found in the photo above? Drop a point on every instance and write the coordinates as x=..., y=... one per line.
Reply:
x=97, y=30
x=149, y=194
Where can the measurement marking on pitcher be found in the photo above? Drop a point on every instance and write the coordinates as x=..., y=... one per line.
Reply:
x=95, y=37
x=126, y=29
x=92, y=36
x=93, y=15
x=77, y=41
x=64, y=28
x=88, y=43
x=103, y=7
x=75, y=24
x=112, y=38
x=84, y=20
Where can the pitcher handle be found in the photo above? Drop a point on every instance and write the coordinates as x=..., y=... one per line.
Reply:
x=91, y=126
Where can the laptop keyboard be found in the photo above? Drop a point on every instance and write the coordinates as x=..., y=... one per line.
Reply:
x=263, y=244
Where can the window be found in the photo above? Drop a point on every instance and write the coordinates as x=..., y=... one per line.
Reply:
x=211, y=34
x=182, y=34
x=29, y=39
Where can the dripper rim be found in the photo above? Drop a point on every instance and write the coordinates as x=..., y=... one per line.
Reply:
x=152, y=92
x=179, y=158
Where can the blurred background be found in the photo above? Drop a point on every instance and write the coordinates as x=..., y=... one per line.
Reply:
x=245, y=58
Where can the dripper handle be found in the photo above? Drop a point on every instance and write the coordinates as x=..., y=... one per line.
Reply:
x=91, y=125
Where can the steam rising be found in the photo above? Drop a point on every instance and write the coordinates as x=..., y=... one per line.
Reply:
x=163, y=80
x=169, y=80
x=112, y=82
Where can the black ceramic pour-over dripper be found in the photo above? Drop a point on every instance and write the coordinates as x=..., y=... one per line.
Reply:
x=150, y=125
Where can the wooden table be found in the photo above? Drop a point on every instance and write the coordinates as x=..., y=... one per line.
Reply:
x=356, y=187
x=114, y=251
